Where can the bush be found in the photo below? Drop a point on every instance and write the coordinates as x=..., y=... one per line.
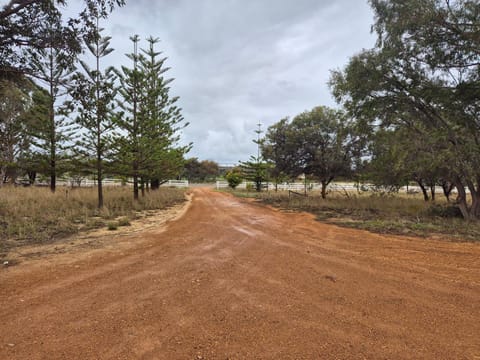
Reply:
x=113, y=225
x=445, y=211
x=234, y=179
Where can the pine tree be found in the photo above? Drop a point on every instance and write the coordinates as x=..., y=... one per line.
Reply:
x=52, y=67
x=163, y=120
x=128, y=145
x=94, y=92
x=149, y=120
x=256, y=169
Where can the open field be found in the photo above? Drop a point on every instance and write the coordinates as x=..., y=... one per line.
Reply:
x=399, y=214
x=233, y=279
x=35, y=215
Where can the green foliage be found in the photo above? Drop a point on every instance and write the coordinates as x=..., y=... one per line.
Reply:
x=22, y=30
x=423, y=77
x=234, y=178
x=149, y=121
x=321, y=143
x=15, y=102
x=112, y=225
x=255, y=170
x=93, y=93
x=52, y=66
x=200, y=171
x=278, y=148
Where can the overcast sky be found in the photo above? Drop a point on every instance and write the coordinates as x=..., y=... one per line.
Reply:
x=240, y=62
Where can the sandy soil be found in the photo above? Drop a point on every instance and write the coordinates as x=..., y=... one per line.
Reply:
x=231, y=279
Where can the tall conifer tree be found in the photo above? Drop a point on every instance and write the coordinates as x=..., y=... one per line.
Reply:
x=149, y=120
x=52, y=67
x=94, y=92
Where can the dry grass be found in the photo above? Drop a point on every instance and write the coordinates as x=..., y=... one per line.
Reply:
x=35, y=215
x=396, y=214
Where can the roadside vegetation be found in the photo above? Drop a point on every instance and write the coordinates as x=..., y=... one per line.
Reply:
x=408, y=114
x=34, y=215
x=399, y=214
x=64, y=112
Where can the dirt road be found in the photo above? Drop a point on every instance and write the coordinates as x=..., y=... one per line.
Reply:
x=235, y=280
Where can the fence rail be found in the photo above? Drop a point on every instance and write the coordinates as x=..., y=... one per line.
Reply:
x=332, y=187
x=110, y=182
x=176, y=183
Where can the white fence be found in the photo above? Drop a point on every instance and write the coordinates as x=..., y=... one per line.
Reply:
x=176, y=183
x=342, y=187
x=88, y=182
x=112, y=182
x=297, y=186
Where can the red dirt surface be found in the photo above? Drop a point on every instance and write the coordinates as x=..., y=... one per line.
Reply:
x=235, y=280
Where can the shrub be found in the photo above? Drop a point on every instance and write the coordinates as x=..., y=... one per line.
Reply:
x=124, y=221
x=112, y=225
x=234, y=179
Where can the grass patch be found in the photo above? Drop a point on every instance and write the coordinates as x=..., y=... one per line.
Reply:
x=112, y=225
x=124, y=221
x=35, y=215
x=393, y=214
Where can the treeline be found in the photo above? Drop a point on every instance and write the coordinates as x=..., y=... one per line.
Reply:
x=411, y=108
x=63, y=111
x=197, y=171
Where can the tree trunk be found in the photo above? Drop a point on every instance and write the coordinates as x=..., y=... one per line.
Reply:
x=447, y=188
x=32, y=175
x=324, y=189
x=135, y=187
x=475, y=194
x=462, y=200
x=53, y=176
x=142, y=186
x=432, y=192
x=424, y=190
x=53, y=140
x=100, y=181
x=3, y=172
x=155, y=184
x=475, y=209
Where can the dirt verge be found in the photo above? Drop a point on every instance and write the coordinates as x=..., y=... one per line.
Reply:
x=231, y=279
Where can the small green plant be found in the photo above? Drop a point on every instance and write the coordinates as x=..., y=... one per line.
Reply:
x=112, y=225
x=234, y=179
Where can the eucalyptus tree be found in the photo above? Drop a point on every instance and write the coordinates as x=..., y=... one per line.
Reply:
x=326, y=144
x=15, y=103
x=21, y=30
x=279, y=149
x=93, y=93
x=423, y=75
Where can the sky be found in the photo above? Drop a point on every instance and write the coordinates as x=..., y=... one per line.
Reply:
x=237, y=63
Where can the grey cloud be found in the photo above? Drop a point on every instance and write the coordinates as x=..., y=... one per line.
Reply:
x=238, y=62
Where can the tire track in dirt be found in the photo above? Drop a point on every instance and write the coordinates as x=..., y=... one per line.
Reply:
x=235, y=280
